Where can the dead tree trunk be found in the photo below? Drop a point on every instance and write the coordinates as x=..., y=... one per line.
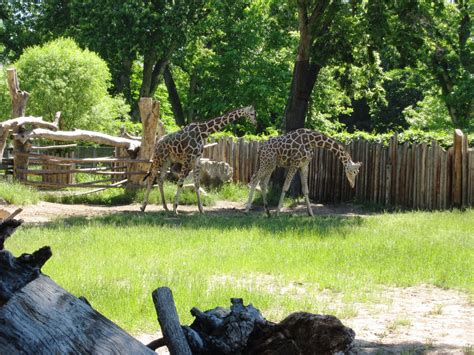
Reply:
x=43, y=318
x=19, y=100
x=17, y=123
x=39, y=317
x=152, y=130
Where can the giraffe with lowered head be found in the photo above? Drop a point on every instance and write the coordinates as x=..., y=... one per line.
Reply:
x=294, y=151
x=185, y=147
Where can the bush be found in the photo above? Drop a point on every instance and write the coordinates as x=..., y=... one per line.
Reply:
x=60, y=76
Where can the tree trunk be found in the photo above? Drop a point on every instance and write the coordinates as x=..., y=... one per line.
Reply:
x=16, y=123
x=152, y=70
x=43, y=318
x=173, y=96
x=123, y=79
x=19, y=100
x=149, y=113
x=302, y=84
x=79, y=135
x=169, y=322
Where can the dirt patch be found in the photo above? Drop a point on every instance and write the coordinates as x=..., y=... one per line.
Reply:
x=46, y=211
x=418, y=319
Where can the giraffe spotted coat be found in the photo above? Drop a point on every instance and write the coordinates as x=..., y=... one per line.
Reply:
x=186, y=147
x=294, y=151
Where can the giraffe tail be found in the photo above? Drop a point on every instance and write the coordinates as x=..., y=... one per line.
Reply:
x=146, y=176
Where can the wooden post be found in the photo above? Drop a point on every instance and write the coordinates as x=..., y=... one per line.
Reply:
x=169, y=322
x=465, y=170
x=457, y=168
x=149, y=114
x=19, y=99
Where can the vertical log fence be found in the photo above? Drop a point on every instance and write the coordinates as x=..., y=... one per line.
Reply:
x=418, y=176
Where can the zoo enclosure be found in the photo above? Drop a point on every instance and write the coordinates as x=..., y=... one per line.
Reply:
x=421, y=176
x=408, y=175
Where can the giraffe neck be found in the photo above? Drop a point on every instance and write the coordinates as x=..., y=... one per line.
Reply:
x=216, y=124
x=319, y=140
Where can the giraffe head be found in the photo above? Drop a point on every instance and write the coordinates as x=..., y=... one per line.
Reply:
x=249, y=111
x=352, y=169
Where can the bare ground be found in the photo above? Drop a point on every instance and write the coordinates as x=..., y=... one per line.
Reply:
x=44, y=212
x=415, y=320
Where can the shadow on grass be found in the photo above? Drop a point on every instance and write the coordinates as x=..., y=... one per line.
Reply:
x=224, y=219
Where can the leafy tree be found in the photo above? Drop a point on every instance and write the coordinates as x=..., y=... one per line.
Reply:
x=126, y=31
x=18, y=27
x=239, y=54
x=62, y=77
x=435, y=39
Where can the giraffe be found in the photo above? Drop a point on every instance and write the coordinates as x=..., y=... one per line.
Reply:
x=185, y=147
x=294, y=151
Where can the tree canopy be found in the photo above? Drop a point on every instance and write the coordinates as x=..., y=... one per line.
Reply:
x=331, y=65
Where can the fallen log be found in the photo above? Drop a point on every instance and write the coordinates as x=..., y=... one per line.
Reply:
x=243, y=330
x=39, y=317
x=43, y=318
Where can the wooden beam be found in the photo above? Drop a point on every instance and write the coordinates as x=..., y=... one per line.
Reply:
x=116, y=184
x=59, y=186
x=457, y=168
x=51, y=147
x=27, y=120
x=52, y=158
x=80, y=135
x=70, y=171
x=169, y=322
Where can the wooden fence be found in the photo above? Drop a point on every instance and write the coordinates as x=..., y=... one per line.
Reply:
x=420, y=176
x=64, y=166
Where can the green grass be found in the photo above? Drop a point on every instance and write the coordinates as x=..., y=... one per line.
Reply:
x=18, y=194
x=111, y=197
x=280, y=265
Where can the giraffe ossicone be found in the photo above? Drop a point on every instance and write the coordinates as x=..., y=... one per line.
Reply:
x=185, y=147
x=294, y=151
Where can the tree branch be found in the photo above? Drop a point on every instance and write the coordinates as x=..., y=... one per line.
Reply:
x=80, y=135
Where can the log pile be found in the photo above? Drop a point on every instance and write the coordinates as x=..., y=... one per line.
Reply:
x=243, y=330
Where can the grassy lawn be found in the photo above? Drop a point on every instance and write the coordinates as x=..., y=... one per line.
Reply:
x=278, y=264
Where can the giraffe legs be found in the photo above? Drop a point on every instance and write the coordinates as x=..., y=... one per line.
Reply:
x=253, y=184
x=197, y=183
x=263, y=176
x=153, y=173
x=264, y=187
x=160, y=185
x=304, y=186
x=151, y=178
x=289, y=176
x=185, y=169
